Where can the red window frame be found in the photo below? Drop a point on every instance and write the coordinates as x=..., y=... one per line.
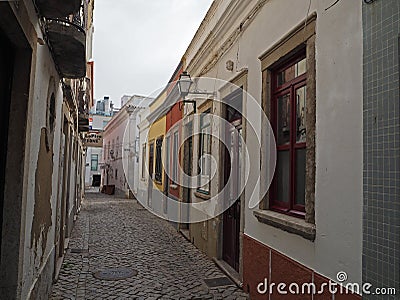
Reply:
x=290, y=87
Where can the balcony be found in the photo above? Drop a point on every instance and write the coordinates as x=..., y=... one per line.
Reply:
x=57, y=8
x=67, y=41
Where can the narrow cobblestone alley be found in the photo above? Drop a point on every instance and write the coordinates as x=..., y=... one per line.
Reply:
x=118, y=233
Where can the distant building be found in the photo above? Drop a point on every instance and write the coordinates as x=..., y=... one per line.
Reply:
x=121, y=146
x=105, y=107
x=94, y=142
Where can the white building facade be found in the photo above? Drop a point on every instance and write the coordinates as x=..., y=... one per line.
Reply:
x=94, y=151
x=121, y=148
x=308, y=227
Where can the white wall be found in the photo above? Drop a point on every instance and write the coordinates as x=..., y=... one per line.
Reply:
x=142, y=192
x=98, y=122
x=338, y=198
x=88, y=170
x=113, y=131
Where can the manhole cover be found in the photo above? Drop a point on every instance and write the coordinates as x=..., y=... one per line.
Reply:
x=79, y=251
x=115, y=274
x=216, y=282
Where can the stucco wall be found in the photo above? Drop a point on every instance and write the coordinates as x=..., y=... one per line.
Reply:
x=116, y=129
x=98, y=124
x=35, y=258
x=142, y=193
x=88, y=171
x=338, y=198
x=41, y=167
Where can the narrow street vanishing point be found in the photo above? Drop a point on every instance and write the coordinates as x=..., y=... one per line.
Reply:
x=113, y=233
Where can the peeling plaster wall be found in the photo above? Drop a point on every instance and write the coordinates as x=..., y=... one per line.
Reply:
x=42, y=208
x=32, y=250
x=42, y=176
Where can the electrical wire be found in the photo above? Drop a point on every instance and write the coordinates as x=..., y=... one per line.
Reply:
x=333, y=4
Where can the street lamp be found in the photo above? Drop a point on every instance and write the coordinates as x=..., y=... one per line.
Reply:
x=184, y=84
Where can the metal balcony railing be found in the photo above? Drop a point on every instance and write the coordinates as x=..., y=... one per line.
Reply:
x=57, y=8
x=77, y=20
x=67, y=41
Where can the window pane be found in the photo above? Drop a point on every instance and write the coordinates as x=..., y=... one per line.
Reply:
x=175, y=157
x=292, y=72
x=167, y=154
x=283, y=178
x=300, y=176
x=286, y=75
x=205, y=149
x=301, y=114
x=144, y=161
x=158, y=171
x=94, y=162
x=300, y=67
x=283, y=119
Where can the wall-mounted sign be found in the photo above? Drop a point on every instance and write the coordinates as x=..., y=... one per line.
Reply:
x=90, y=123
x=94, y=139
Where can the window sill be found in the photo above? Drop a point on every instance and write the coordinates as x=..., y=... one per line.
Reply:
x=202, y=196
x=286, y=223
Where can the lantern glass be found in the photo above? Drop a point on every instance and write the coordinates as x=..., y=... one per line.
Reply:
x=184, y=84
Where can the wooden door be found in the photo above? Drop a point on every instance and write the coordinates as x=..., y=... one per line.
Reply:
x=231, y=218
x=188, y=167
x=232, y=181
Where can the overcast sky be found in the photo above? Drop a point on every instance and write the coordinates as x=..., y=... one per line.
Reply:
x=139, y=43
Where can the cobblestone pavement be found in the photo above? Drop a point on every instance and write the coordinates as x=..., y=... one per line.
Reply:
x=116, y=233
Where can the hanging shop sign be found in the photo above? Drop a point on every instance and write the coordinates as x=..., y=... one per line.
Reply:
x=94, y=139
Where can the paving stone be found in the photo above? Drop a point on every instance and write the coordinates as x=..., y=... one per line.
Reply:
x=119, y=234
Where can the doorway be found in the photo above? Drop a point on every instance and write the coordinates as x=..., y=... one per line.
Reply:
x=64, y=159
x=232, y=161
x=6, y=72
x=188, y=167
x=96, y=180
x=15, y=72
